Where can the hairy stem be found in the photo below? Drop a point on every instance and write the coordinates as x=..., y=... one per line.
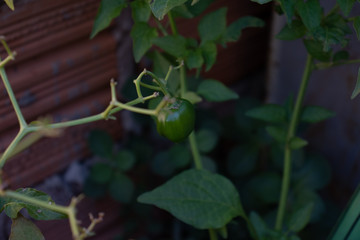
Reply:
x=288, y=151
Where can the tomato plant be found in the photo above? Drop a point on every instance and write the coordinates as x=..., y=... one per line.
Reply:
x=198, y=197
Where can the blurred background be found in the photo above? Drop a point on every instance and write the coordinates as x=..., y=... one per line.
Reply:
x=61, y=74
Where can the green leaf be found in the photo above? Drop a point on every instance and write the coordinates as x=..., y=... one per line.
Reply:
x=294, y=237
x=357, y=86
x=192, y=97
x=12, y=209
x=140, y=10
x=348, y=225
x=277, y=132
x=161, y=66
x=223, y=232
x=182, y=11
x=208, y=164
x=315, y=49
x=259, y=225
x=310, y=13
x=174, y=45
x=288, y=7
x=266, y=187
x=262, y=230
x=314, y=174
x=179, y=155
x=291, y=32
x=101, y=173
x=215, y=91
x=198, y=8
x=241, y=161
x=233, y=32
x=206, y=140
x=199, y=198
x=314, y=114
x=261, y=1
x=333, y=30
x=209, y=52
x=341, y=56
x=24, y=229
x=93, y=189
x=161, y=7
x=304, y=195
x=213, y=26
x=161, y=164
x=10, y=4
x=108, y=10
x=346, y=6
x=301, y=218
x=143, y=36
x=125, y=160
x=356, y=25
x=121, y=188
x=297, y=143
x=100, y=143
x=194, y=2
x=13, y=206
x=269, y=113
x=194, y=59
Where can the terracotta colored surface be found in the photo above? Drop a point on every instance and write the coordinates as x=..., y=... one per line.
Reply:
x=58, y=72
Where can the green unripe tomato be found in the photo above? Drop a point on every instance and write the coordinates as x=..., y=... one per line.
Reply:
x=176, y=120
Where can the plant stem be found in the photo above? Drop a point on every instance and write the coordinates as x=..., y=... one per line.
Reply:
x=192, y=138
x=13, y=100
x=195, y=151
x=70, y=210
x=39, y=203
x=183, y=87
x=160, y=82
x=212, y=234
x=10, y=149
x=322, y=65
x=288, y=151
x=16, y=145
x=161, y=27
x=135, y=109
x=71, y=123
x=172, y=23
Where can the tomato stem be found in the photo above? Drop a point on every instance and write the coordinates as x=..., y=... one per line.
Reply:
x=7, y=85
x=212, y=234
x=288, y=151
x=195, y=151
x=17, y=145
x=70, y=210
x=183, y=86
x=172, y=24
x=160, y=82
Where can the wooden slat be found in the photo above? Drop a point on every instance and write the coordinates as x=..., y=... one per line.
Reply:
x=48, y=27
x=50, y=155
x=68, y=91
